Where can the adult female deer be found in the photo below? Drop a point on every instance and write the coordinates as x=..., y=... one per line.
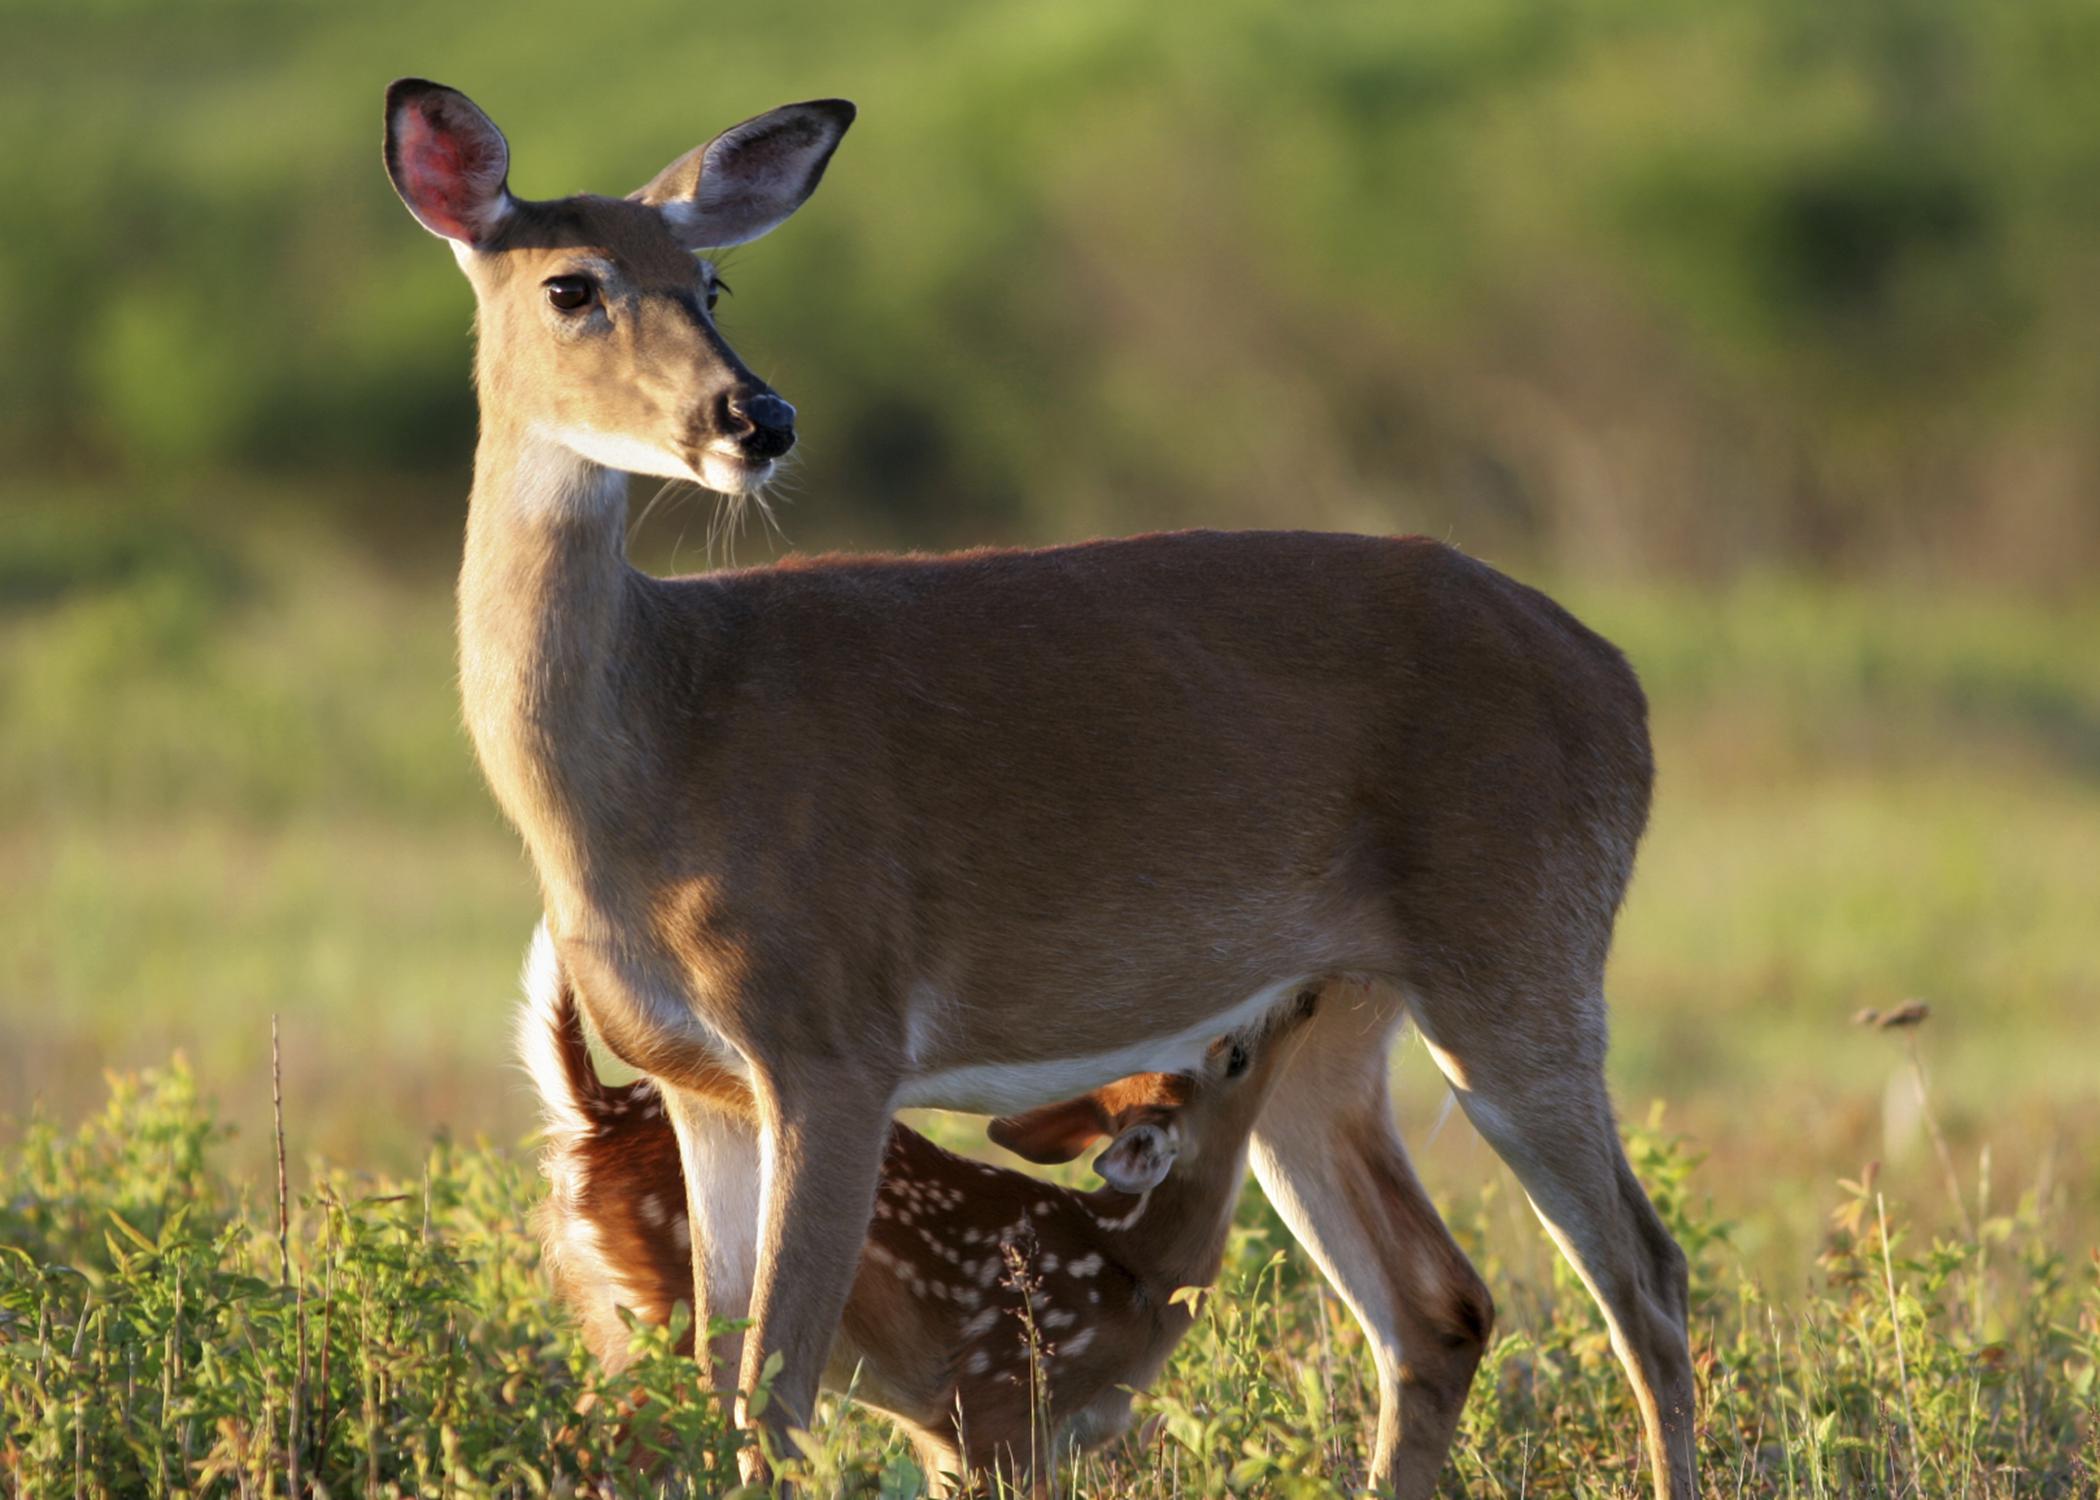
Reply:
x=990, y=830
x=933, y=1333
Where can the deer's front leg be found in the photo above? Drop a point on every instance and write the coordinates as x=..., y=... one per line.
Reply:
x=824, y=1126
x=718, y=1148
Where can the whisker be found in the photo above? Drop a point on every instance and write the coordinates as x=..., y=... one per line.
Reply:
x=765, y=511
x=722, y=528
x=678, y=545
x=780, y=491
x=662, y=490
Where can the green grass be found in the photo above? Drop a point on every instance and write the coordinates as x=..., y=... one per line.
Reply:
x=152, y=1340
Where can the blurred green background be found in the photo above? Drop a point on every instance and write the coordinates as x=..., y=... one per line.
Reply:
x=1762, y=333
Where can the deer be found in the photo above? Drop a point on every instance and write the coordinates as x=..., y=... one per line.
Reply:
x=986, y=830
x=1001, y=1321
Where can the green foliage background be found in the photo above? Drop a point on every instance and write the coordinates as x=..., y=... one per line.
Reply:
x=1639, y=284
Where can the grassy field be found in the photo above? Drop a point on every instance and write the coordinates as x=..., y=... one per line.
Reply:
x=232, y=785
x=156, y=1336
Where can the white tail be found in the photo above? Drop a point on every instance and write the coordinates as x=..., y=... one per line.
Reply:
x=934, y=1333
x=990, y=830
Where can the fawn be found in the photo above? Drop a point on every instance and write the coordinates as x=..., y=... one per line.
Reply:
x=999, y=1319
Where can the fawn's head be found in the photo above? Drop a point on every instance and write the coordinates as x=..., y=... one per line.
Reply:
x=1157, y=1120
x=595, y=318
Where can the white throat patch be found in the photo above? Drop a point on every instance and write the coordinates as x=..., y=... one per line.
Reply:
x=629, y=455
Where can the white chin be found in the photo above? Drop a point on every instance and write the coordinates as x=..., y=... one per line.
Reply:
x=730, y=475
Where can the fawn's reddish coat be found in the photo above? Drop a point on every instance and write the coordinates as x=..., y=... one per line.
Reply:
x=997, y=1317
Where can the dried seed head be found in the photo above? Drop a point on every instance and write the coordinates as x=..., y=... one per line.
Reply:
x=1909, y=1013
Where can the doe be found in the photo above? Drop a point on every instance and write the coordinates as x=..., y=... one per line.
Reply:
x=985, y=831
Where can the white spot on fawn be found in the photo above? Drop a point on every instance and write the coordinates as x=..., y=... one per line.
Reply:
x=1137, y=1211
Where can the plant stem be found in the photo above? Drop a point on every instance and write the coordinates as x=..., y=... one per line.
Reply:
x=1888, y=1273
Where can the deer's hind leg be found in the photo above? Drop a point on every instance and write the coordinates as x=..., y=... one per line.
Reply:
x=1330, y=1159
x=1528, y=1069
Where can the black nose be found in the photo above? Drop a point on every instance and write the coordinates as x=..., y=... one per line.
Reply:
x=758, y=422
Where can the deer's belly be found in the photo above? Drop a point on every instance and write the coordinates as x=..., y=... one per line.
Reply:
x=1004, y=1087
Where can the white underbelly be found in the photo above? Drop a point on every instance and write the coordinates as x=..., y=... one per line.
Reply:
x=1003, y=1088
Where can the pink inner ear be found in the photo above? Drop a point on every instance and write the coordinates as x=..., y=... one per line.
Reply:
x=452, y=178
x=1138, y=1159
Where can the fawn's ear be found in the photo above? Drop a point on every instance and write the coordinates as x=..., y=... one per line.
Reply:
x=1054, y=1133
x=1138, y=1161
x=447, y=160
x=748, y=179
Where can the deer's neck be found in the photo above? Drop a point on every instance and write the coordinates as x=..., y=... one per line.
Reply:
x=1178, y=1239
x=546, y=598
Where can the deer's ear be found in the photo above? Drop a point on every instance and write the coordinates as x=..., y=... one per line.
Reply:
x=749, y=178
x=447, y=160
x=1054, y=1133
x=1138, y=1161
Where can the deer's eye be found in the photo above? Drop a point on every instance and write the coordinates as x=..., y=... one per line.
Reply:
x=715, y=291
x=569, y=293
x=1237, y=1063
